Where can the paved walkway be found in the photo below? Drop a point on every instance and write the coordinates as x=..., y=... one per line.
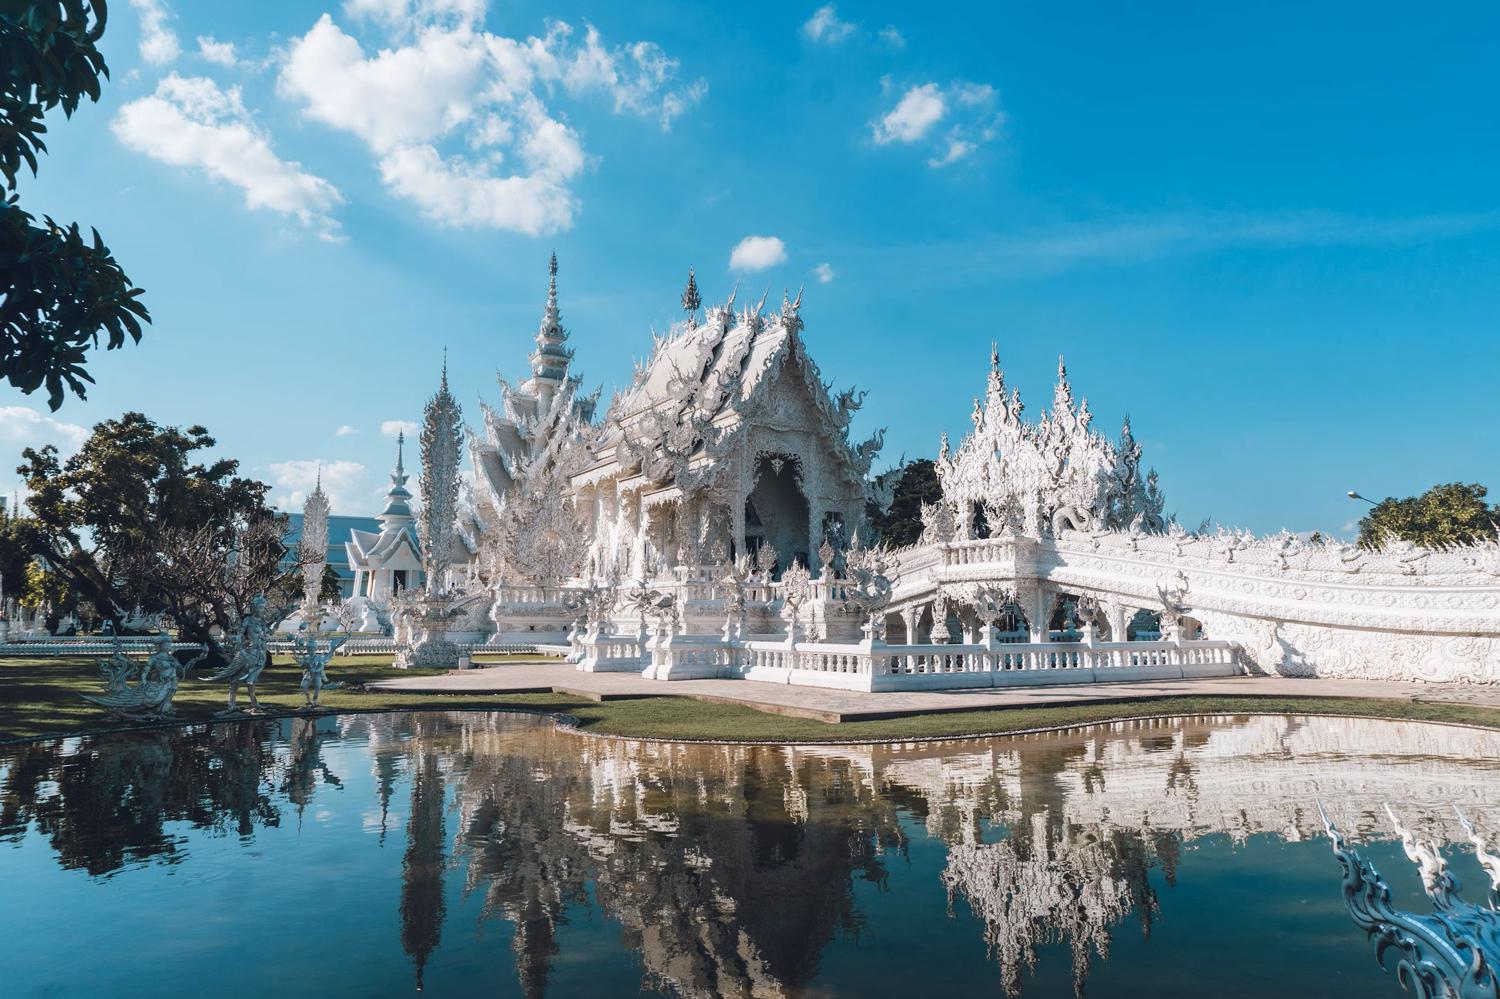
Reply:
x=843, y=705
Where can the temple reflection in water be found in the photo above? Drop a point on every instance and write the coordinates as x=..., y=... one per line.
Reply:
x=731, y=870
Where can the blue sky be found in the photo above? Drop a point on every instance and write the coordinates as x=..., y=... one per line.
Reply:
x=1269, y=235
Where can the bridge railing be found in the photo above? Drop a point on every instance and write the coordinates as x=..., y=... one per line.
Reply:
x=877, y=666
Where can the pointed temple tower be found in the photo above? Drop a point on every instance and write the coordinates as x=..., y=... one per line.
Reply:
x=388, y=562
x=313, y=544
x=442, y=444
x=534, y=419
x=550, y=360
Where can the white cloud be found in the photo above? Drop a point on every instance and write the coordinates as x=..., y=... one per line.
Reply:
x=970, y=108
x=974, y=94
x=159, y=44
x=824, y=273
x=220, y=53
x=397, y=14
x=825, y=26
x=404, y=96
x=345, y=482
x=190, y=122
x=23, y=427
x=463, y=194
x=756, y=253
x=679, y=101
x=956, y=150
x=892, y=36
x=632, y=75
x=919, y=109
x=390, y=428
x=444, y=80
x=345, y=431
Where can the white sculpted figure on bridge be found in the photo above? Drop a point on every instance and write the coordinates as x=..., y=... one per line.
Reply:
x=1010, y=476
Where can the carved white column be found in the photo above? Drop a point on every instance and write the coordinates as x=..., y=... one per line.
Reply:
x=1118, y=617
x=737, y=522
x=909, y=622
x=814, y=536
x=1039, y=615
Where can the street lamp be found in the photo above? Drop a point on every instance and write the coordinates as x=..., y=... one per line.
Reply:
x=1356, y=496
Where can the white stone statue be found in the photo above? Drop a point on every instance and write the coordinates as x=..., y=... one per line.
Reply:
x=141, y=691
x=314, y=662
x=248, y=656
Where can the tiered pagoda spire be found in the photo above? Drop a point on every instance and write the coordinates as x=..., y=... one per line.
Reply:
x=397, y=512
x=549, y=362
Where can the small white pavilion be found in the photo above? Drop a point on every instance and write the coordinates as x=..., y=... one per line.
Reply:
x=388, y=562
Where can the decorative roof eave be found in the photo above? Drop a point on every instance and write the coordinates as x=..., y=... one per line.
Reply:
x=792, y=352
x=658, y=497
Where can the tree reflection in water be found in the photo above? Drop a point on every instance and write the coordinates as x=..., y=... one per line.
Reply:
x=730, y=870
x=105, y=802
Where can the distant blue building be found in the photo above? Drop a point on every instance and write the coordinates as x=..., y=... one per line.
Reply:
x=338, y=534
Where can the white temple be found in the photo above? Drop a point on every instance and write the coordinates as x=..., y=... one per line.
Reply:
x=712, y=523
x=386, y=563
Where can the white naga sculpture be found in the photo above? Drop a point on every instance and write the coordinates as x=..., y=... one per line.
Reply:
x=1452, y=952
x=141, y=691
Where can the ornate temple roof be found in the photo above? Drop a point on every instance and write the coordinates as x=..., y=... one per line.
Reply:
x=397, y=524
x=704, y=381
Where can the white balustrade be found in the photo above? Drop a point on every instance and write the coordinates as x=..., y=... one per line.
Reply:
x=873, y=666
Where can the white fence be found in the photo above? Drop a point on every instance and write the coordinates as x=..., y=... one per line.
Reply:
x=876, y=666
x=50, y=647
x=144, y=645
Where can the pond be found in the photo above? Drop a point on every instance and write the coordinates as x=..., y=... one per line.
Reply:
x=496, y=854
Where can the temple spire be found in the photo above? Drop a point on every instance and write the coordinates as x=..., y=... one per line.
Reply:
x=397, y=513
x=549, y=362
x=691, y=300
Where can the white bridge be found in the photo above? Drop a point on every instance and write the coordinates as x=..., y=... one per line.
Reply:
x=1077, y=608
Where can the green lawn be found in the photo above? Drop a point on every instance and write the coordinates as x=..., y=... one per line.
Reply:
x=39, y=697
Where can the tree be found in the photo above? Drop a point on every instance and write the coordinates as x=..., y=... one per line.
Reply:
x=330, y=589
x=901, y=523
x=59, y=290
x=40, y=588
x=132, y=520
x=1450, y=514
x=17, y=550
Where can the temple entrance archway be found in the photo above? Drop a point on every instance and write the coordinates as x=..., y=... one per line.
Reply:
x=776, y=511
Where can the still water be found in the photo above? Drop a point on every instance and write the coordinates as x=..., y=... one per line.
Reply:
x=496, y=855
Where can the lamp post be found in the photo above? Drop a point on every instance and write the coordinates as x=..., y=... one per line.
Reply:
x=1356, y=496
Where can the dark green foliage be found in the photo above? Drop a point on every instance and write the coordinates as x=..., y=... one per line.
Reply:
x=901, y=525
x=328, y=586
x=17, y=549
x=131, y=520
x=1451, y=514
x=60, y=291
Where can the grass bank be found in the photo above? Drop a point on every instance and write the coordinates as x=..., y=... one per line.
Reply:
x=39, y=697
